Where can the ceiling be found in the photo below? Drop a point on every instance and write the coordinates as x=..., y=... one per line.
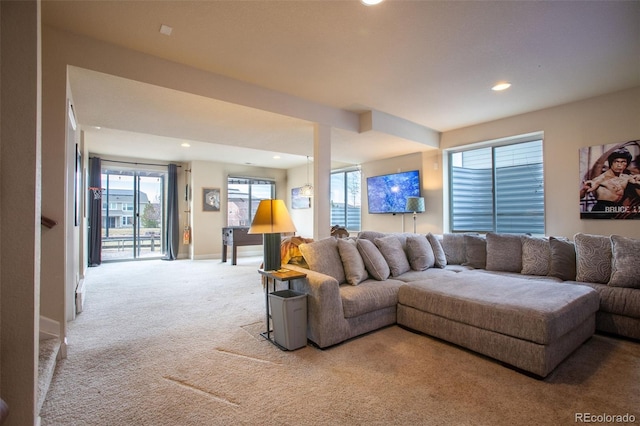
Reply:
x=429, y=62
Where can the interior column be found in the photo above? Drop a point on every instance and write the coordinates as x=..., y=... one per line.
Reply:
x=321, y=181
x=20, y=210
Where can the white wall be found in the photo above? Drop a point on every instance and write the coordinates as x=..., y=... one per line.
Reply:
x=607, y=119
x=430, y=220
x=302, y=218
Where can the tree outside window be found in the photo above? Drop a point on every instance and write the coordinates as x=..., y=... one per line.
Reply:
x=346, y=199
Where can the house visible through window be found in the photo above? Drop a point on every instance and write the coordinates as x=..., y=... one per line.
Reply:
x=243, y=197
x=498, y=189
x=345, y=199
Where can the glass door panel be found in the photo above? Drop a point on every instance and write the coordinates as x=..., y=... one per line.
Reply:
x=150, y=212
x=132, y=214
x=117, y=216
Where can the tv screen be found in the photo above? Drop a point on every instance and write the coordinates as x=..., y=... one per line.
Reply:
x=388, y=193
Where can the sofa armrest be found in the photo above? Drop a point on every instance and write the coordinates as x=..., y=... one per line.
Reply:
x=326, y=324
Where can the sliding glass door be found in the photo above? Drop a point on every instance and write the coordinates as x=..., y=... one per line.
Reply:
x=133, y=213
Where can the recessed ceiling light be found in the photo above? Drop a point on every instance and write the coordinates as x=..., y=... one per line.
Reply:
x=276, y=157
x=185, y=144
x=97, y=127
x=371, y=2
x=501, y=86
x=165, y=29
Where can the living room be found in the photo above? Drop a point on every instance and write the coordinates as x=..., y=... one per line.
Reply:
x=606, y=117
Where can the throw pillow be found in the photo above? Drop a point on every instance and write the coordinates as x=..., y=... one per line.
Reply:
x=373, y=260
x=536, y=255
x=625, y=268
x=438, y=251
x=370, y=235
x=453, y=245
x=419, y=253
x=476, y=251
x=391, y=248
x=563, y=259
x=323, y=256
x=593, y=253
x=354, y=269
x=504, y=252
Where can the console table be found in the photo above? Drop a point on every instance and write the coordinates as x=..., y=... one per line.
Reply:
x=235, y=236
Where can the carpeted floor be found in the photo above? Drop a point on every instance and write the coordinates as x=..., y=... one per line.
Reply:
x=178, y=343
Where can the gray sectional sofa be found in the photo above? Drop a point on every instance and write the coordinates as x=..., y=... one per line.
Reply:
x=526, y=301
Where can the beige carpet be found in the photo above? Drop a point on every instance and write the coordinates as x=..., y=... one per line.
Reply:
x=177, y=343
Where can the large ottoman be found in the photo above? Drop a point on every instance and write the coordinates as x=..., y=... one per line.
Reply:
x=529, y=324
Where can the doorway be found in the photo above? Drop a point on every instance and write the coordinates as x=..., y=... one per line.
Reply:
x=133, y=213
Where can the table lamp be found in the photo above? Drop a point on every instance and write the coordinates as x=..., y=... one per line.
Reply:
x=415, y=205
x=271, y=219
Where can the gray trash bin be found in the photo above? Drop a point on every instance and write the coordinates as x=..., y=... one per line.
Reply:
x=289, y=317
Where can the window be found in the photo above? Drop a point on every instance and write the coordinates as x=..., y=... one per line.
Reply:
x=498, y=189
x=345, y=199
x=243, y=197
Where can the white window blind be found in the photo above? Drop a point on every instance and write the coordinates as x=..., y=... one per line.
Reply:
x=499, y=189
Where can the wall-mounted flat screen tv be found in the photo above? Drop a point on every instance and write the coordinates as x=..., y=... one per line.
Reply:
x=388, y=193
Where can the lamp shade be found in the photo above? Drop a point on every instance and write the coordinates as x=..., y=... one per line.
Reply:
x=306, y=191
x=415, y=204
x=272, y=217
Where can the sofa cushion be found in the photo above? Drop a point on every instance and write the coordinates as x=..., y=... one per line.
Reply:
x=402, y=237
x=454, y=250
x=439, y=273
x=537, y=311
x=593, y=254
x=625, y=267
x=536, y=255
x=438, y=251
x=616, y=300
x=391, y=248
x=369, y=296
x=419, y=253
x=521, y=276
x=476, y=251
x=352, y=262
x=504, y=252
x=563, y=259
x=323, y=256
x=371, y=235
x=373, y=260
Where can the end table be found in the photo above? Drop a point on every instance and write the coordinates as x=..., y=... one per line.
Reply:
x=282, y=275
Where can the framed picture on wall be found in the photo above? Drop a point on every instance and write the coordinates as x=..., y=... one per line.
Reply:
x=610, y=181
x=210, y=199
x=298, y=201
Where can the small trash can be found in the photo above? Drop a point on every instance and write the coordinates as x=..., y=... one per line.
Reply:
x=289, y=318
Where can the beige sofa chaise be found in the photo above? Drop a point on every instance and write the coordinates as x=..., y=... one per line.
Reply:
x=531, y=325
x=358, y=285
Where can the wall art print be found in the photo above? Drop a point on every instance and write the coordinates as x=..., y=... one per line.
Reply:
x=298, y=201
x=211, y=199
x=610, y=181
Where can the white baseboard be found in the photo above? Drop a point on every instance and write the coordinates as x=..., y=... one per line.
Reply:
x=49, y=329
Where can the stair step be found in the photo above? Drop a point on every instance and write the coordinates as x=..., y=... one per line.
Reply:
x=49, y=350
